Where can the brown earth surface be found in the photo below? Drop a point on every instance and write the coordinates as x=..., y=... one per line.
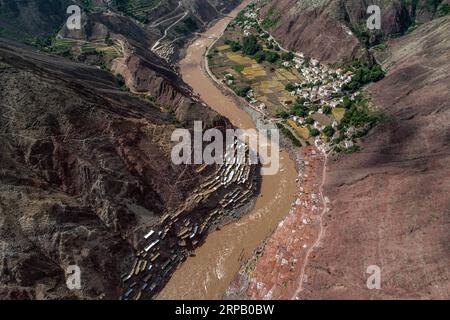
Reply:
x=387, y=205
x=276, y=273
x=390, y=203
x=326, y=29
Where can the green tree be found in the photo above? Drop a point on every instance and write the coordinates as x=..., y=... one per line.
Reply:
x=290, y=87
x=283, y=114
x=309, y=121
x=250, y=45
x=272, y=57
x=234, y=45
x=306, y=61
x=287, y=56
x=314, y=132
x=300, y=101
x=121, y=5
x=346, y=102
x=300, y=110
x=443, y=10
x=242, y=91
x=238, y=68
x=86, y=5
x=329, y=131
x=260, y=56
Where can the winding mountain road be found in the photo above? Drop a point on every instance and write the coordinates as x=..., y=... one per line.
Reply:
x=158, y=42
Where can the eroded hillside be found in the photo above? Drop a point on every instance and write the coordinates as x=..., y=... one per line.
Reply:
x=389, y=203
x=335, y=31
x=168, y=24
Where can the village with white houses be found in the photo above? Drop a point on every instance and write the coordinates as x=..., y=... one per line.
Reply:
x=290, y=88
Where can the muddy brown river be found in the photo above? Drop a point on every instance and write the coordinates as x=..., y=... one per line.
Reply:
x=208, y=274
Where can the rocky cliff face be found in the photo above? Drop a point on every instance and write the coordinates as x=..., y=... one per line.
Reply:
x=331, y=30
x=390, y=203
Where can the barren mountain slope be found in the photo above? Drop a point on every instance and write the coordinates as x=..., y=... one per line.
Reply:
x=171, y=21
x=85, y=172
x=390, y=203
x=329, y=29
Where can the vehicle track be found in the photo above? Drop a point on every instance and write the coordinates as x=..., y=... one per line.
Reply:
x=321, y=232
x=158, y=42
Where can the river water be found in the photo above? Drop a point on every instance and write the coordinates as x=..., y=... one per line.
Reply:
x=208, y=274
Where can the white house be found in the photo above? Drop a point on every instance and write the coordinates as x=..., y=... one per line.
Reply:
x=348, y=144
